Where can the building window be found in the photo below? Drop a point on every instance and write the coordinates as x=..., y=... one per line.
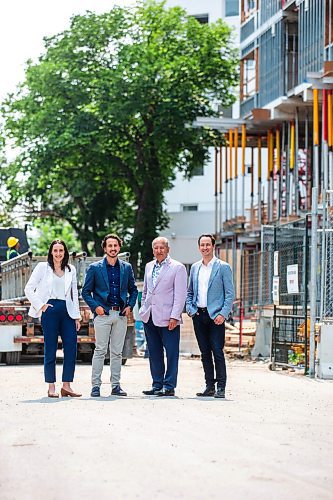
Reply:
x=190, y=208
x=198, y=170
x=231, y=8
x=248, y=77
x=248, y=7
x=201, y=18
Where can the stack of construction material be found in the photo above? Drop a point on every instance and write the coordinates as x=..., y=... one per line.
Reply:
x=232, y=337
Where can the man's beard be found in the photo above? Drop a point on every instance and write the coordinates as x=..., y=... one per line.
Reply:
x=112, y=253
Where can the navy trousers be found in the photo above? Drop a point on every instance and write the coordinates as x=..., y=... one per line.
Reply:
x=56, y=321
x=210, y=339
x=158, y=339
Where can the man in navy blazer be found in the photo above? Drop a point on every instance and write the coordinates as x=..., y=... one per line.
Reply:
x=209, y=302
x=110, y=292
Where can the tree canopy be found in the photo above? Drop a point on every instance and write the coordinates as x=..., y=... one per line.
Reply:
x=43, y=232
x=103, y=119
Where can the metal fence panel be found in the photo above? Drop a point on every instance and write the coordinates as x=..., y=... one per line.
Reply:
x=290, y=320
x=326, y=275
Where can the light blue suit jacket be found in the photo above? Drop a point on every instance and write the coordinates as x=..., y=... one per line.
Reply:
x=220, y=295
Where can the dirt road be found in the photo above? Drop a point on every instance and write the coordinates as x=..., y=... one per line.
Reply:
x=272, y=437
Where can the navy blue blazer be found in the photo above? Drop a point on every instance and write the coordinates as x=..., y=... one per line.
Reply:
x=96, y=286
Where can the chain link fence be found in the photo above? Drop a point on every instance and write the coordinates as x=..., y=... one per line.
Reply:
x=275, y=285
x=256, y=285
x=326, y=264
x=290, y=294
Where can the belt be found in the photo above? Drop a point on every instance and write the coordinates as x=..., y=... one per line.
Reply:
x=202, y=309
x=114, y=308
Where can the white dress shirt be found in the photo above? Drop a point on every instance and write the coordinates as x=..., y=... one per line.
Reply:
x=203, y=280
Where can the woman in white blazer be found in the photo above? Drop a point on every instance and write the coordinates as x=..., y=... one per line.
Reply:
x=52, y=292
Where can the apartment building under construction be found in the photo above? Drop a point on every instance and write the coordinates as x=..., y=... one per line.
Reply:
x=278, y=151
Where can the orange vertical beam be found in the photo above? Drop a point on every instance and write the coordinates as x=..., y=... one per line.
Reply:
x=330, y=118
x=269, y=154
x=226, y=158
x=316, y=117
x=278, y=150
x=272, y=154
x=292, y=146
x=243, y=148
x=324, y=127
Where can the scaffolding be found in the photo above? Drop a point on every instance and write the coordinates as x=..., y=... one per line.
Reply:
x=279, y=158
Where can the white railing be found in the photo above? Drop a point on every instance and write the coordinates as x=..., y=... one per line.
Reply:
x=16, y=272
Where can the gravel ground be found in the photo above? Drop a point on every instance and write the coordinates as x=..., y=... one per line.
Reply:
x=272, y=436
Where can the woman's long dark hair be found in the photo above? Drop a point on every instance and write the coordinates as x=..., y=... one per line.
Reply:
x=64, y=261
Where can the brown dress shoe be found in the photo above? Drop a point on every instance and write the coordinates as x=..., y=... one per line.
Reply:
x=52, y=394
x=66, y=393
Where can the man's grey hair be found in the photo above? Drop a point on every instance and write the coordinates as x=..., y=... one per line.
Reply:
x=162, y=239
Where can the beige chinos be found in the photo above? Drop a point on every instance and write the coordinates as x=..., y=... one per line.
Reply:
x=109, y=330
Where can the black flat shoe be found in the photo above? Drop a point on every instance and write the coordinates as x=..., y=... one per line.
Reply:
x=151, y=392
x=165, y=393
x=220, y=393
x=208, y=392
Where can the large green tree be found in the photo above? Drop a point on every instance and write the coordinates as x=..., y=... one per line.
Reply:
x=103, y=119
x=43, y=232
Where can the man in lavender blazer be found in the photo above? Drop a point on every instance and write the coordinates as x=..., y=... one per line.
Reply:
x=163, y=299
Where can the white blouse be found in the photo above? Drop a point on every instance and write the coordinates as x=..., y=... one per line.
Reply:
x=58, y=287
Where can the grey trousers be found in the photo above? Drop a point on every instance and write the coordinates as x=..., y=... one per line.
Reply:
x=109, y=330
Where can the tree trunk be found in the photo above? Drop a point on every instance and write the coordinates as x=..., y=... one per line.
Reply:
x=148, y=213
x=84, y=243
x=97, y=246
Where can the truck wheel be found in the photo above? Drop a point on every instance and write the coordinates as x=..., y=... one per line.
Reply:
x=124, y=361
x=12, y=358
x=86, y=357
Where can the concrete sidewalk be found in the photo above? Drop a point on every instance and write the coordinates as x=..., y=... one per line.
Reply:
x=273, y=436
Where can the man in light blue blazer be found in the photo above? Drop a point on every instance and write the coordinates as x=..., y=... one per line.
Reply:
x=110, y=292
x=209, y=302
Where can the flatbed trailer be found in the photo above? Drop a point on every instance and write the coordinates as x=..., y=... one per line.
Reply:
x=21, y=334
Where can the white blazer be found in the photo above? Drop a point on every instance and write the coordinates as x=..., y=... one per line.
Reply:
x=39, y=288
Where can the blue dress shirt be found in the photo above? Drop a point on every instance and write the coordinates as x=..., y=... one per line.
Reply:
x=114, y=284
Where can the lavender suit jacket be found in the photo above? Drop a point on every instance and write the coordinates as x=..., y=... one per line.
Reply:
x=166, y=299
